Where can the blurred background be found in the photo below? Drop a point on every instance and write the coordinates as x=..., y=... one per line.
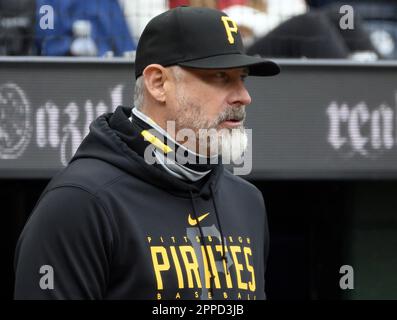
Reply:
x=324, y=130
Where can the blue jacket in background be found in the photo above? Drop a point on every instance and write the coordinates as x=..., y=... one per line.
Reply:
x=109, y=28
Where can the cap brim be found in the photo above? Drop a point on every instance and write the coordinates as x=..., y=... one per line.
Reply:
x=257, y=66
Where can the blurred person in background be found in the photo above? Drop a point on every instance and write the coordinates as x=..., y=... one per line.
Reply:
x=378, y=18
x=84, y=28
x=255, y=18
x=316, y=34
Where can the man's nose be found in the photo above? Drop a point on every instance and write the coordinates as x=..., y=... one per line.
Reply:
x=240, y=95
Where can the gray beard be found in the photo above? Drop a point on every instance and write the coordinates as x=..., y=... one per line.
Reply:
x=228, y=143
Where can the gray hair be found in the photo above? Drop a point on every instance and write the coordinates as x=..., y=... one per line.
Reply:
x=139, y=92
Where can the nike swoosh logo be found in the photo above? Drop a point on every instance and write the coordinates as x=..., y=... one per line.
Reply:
x=194, y=222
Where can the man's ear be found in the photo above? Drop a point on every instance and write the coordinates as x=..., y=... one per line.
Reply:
x=154, y=77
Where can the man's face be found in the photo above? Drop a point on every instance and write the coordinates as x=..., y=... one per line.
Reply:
x=210, y=99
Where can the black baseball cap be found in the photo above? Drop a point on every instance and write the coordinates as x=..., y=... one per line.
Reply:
x=196, y=37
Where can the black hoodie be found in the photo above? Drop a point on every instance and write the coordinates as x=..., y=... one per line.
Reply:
x=111, y=226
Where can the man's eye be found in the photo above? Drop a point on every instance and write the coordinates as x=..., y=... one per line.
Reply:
x=244, y=77
x=221, y=75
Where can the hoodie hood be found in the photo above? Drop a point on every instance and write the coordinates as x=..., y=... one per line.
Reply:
x=114, y=139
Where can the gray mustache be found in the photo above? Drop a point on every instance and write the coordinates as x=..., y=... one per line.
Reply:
x=233, y=113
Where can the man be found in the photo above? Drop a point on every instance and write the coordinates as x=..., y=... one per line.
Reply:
x=113, y=225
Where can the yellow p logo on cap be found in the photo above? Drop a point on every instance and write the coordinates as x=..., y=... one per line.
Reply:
x=230, y=26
